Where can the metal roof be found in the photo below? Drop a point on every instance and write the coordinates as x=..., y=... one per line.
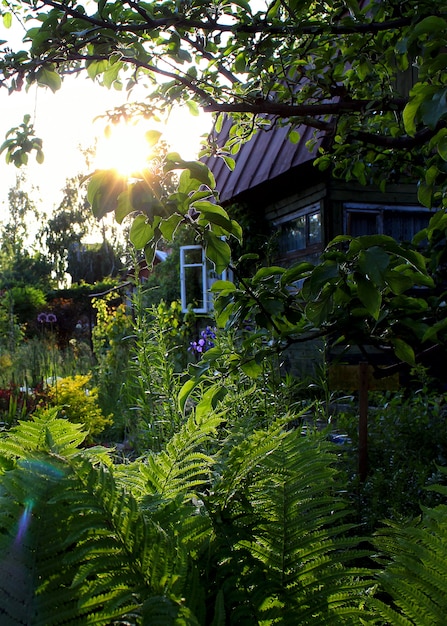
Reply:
x=267, y=155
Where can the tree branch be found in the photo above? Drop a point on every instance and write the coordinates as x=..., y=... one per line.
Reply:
x=269, y=107
x=253, y=28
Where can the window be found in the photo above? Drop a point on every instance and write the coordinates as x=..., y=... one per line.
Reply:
x=399, y=222
x=196, y=277
x=299, y=231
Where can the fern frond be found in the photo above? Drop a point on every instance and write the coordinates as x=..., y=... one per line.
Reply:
x=282, y=512
x=182, y=467
x=45, y=432
x=416, y=571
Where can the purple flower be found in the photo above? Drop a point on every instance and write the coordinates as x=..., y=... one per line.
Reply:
x=205, y=342
x=46, y=318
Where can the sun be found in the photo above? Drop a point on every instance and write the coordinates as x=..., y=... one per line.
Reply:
x=125, y=148
x=128, y=147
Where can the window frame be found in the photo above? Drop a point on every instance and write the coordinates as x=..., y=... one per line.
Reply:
x=306, y=212
x=208, y=274
x=380, y=210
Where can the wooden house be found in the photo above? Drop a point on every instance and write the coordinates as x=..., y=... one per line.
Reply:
x=306, y=207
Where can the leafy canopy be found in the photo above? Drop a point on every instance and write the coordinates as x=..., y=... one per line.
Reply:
x=370, y=75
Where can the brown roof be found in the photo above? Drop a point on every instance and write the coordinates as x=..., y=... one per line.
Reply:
x=267, y=155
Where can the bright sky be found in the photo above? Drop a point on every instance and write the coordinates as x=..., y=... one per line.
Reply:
x=64, y=121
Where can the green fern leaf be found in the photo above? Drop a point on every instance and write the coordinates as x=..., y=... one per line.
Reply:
x=416, y=570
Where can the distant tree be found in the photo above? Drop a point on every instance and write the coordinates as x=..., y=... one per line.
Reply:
x=63, y=236
x=92, y=262
x=20, y=263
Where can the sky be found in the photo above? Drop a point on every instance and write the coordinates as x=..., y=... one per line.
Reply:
x=65, y=121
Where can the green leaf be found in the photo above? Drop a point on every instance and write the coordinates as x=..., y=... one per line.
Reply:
x=218, y=251
x=229, y=162
x=152, y=137
x=95, y=68
x=373, y=263
x=223, y=285
x=103, y=191
x=369, y=295
x=185, y=392
x=431, y=333
x=124, y=206
x=425, y=194
x=214, y=214
x=318, y=311
x=403, y=351
x=198, y=171
x=419, y=94
x=268, y=272
x=297, y=272
x=442, y=147
x=432, y=111
x=7, y=19
x=141, y=232
x=169, y=226
x=49, y=78
x=322, y=274
x=398, y=282
x=431, y=24
x=240, y=63
x=251, y=368
x=193, y=108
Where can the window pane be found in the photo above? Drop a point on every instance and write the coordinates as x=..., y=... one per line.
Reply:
x=314, y=228
x=194, y=287
x=293, y=235
x=362, y=223
x=193, y=255
x=404, y=225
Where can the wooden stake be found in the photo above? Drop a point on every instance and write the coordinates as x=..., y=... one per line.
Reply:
x=363, y=421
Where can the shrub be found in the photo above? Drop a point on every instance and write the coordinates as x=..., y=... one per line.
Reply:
x=79, y=403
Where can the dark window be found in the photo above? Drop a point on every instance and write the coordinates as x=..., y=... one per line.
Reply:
x=299, y=233
x=401, y=223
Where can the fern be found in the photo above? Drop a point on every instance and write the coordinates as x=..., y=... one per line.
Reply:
x=277, y=505
x=89, y=554
x=415, y=570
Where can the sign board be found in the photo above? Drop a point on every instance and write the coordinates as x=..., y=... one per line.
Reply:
x=347, y=378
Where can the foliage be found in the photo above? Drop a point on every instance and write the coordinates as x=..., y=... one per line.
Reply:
x=66, y=229
x=407, y=439
x=11, y=332
x=111, y=346
x=25, y=302
x=21, y=264
x=414, y=569
x=15, y=403
x=77, y=401
x=153, y=375
x=345, y=69
x=20, y=141
x=307, y=65
x=143, y=542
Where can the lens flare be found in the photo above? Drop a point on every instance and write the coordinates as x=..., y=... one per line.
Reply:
x=24, y=521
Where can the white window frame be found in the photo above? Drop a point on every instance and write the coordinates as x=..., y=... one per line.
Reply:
x=208, y=278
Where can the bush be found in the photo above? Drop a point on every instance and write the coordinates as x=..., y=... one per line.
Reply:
x=79, y=403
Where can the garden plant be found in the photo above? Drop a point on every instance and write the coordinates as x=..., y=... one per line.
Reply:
x=215, y=495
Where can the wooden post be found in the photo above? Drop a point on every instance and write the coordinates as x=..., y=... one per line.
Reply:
x=363, y=420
